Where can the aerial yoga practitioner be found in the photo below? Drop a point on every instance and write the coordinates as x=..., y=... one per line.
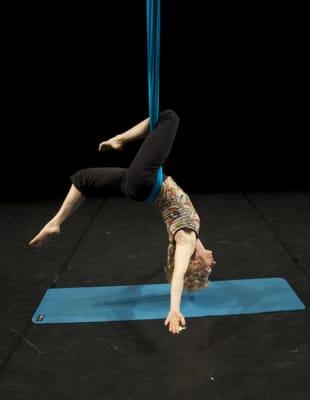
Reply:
x=189, y=263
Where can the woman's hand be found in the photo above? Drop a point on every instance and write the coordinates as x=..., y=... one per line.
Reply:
x=174, y=319
x=114, y=143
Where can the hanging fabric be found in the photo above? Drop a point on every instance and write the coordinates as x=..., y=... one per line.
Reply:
x=153, y=69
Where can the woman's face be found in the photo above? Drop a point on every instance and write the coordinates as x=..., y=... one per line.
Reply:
x=202, y=259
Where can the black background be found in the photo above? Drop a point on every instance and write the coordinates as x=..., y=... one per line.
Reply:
x=73, y=76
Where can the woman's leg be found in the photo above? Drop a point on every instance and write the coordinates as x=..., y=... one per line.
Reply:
x=151, y=156
x=72, y=202
x=86, y=182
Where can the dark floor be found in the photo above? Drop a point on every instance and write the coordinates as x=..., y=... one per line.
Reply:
x=118, y=241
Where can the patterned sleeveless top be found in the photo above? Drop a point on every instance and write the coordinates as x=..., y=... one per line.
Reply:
x=176, y=209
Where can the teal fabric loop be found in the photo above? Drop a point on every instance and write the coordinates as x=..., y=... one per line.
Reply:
x=153, y=58
x=153, y=66
x=157, y=186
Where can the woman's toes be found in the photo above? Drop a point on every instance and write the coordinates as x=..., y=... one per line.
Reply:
x=46, y=232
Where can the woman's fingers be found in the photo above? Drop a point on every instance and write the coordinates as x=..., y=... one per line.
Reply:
x=171, y=324
x=175, y=329
x=103, y=146
x=175, y=323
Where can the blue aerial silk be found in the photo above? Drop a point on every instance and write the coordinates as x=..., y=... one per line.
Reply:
x=153, y=67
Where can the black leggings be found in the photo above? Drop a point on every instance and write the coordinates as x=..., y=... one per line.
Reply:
x=137, y=181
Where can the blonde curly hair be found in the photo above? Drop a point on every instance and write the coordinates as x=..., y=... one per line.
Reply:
x=194, y=278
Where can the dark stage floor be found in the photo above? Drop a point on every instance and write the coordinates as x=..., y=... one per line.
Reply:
x=118, y=241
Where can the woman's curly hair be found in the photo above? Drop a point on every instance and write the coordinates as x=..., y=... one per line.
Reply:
x=194, y=278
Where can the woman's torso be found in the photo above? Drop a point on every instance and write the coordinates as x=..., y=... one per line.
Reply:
x=176, y=208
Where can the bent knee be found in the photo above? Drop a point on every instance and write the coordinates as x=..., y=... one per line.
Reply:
x=79, y=180
x=79, y=175
x=169, y=115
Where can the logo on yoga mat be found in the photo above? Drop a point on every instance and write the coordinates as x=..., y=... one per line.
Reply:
x=40, y=317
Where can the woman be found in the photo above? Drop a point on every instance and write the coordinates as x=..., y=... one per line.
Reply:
x=189, y=263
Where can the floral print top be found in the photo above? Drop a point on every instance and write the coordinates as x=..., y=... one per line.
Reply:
x=176, y=209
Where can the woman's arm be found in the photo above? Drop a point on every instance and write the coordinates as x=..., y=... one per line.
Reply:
x=183, y=253
x=185, y=245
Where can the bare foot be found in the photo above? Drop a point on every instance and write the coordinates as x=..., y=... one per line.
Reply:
x=114, y=143
x=50, y=229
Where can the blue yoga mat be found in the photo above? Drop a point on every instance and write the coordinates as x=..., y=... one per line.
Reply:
x=141, y=302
